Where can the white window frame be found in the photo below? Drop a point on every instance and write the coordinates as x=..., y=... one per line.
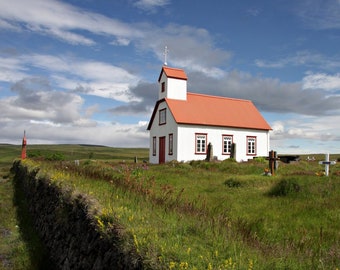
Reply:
x=251, y=145
x=227, y=141
x=201, y=143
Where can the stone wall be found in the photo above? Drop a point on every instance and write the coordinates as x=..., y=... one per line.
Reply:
x=67, y=224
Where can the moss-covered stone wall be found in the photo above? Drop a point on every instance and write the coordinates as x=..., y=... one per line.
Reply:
x=66, y=222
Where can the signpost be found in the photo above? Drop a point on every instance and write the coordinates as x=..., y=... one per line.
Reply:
x=326, y=162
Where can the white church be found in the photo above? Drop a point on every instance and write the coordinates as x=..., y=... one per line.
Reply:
x=183, y=124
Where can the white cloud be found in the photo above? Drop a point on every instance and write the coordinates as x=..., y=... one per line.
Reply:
x=121, y=41
x=40, y=103
x=319, y=14
x=321, y=81
x=91, y=110
x=104, y=133
x=151, y=4
x=191, y=48
x=301, y=58
x=306, y=134
x=61, y=20
x=45, y=122
x=277, y=128
x=320, y=128
x=86, y=76
x=9, y=26
x=69, y=37
x=56, y=114
x=11, y=69
x=270, y=95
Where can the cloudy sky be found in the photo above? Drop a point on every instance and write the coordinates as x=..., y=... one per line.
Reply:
x=85, y=71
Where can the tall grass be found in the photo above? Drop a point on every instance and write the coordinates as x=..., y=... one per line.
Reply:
x=186, y=216
x=20, y=246
x=203, y=215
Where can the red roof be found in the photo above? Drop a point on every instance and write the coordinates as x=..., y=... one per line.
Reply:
x=208, y=110
x=173, y=73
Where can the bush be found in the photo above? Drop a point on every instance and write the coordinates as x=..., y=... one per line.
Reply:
x=34, y=154
x=285, y=187
x=261, y=159
x=232, y=183
x=56, y=157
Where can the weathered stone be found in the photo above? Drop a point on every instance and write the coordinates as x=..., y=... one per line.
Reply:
x=98, y=265
x=67, y=228
x=66, y=265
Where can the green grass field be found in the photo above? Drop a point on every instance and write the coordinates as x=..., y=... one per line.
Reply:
x=20, y=246
x=202, y=215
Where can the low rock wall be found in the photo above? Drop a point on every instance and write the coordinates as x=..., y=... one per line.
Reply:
x=67, y=225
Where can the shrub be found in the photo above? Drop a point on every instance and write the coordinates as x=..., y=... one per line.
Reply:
x=56, y=157
x=260, y=159
x=34, y=154
x=232, y=183
x=284, y=187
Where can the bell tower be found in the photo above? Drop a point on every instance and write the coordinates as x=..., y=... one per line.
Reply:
x=172, y=83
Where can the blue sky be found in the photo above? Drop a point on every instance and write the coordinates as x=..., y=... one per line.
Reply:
x=85, y=71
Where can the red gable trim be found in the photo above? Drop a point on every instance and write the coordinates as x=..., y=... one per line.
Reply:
x=175, y=73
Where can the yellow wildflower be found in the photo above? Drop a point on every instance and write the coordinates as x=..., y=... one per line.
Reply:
x=172, y=265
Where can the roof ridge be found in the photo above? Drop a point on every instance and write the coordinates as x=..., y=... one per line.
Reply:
x=172, y=68
x=218, y=97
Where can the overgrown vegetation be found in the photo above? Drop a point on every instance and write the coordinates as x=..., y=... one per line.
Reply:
x=201, y=215
x=20, y=246
x=285, y=187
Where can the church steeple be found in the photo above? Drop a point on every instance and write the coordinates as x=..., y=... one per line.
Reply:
x=172, y=83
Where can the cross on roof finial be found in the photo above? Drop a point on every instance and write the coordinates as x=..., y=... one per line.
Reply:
x=166, y=51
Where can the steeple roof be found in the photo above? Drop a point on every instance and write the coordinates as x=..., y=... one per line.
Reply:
x=175, y=73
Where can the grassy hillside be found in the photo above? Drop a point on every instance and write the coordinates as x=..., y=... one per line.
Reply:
x=202, y=215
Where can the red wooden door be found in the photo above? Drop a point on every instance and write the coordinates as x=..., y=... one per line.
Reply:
x=161, y=155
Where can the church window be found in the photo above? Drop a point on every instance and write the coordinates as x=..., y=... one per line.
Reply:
x=171, y=144
x=154, y=146
x=201, y=143
x=227, y=141
x=162, y=117
x=251, y=145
